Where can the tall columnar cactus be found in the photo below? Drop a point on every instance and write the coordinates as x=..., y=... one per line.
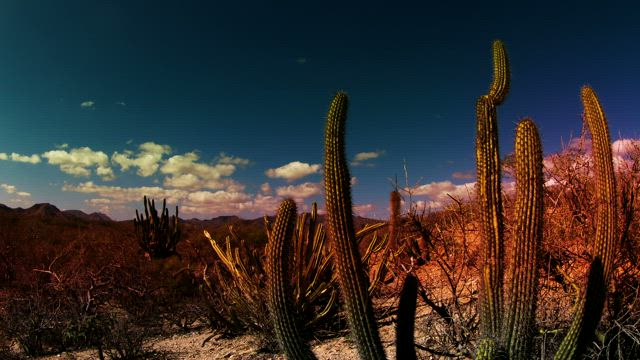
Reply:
x=509, y=334
x=279, y=289
x=394, y=217
x=157, y=235
x=351, y=277
x=520, y=320
x=590, y=308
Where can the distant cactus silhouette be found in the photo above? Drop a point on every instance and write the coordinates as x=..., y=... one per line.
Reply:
x=157, y=235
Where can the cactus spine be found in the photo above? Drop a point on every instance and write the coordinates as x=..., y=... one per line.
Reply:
x=279, y=292
x=590, y=307
x=528, y=235
x=490, y=194
x=345, y=251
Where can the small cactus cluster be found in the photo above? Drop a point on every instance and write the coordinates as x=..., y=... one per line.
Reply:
x=158, y=235
x=506, y=329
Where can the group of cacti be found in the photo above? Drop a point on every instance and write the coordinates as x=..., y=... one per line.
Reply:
x=507, y=327
x=158, y=235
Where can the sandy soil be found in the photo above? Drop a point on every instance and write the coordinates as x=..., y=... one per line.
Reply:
x=189, y=346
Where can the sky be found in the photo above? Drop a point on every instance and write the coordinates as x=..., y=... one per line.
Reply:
x=220, y=106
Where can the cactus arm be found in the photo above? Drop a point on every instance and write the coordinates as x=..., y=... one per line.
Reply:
x=520, y=318
x=590, y=308
x=351, y=276
x=279, y=289
x=490, y=199
x=501, y=76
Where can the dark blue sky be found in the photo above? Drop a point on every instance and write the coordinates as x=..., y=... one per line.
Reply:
x=224, y=95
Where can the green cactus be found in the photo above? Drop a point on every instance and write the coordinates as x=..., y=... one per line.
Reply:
x=509, y=334
x=590, y=307
x=351, y=276
x=405, y=347
x=279, y=292
x=523, y=276
x=157, y=235
x=501, y=75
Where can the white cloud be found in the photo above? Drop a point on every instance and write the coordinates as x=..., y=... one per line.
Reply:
x=265, y=188
x=228, y=159
x=9, y=189
x=362, y=157
x=79, y=161
x=89, y=104
x=293, y=171
x=354, y=181
x=364, y=210
x=463, y=175
x=438, y=191
x=146, y=160
x=30, y=159
x=13, y=190
x=301, y=191
x=186, y=173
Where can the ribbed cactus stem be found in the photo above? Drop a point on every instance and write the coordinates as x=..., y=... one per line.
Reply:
x=490, y=200
x=405, y=347
x=528, y=233
x=351, y=276
x=590, y=309
x=279, y=289
x=501, y=76
x=394, y=217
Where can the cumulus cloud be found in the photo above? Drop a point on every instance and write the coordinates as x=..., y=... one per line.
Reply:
x=265, y=188
x=147, y=160
x=88, y=104
x=463, y=175
x=364, y=210
x=234, y=160
x=185, y=172
x=202, y=203
x=363, y=157
x=301, y=191
x=293, y=171
x=29, y=159
x=13, y=190
x=438, y=192
x=80, y=161
x=9, y=189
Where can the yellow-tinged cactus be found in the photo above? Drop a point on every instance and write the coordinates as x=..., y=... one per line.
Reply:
x=590, y=308
x=279, y=289
x=501, y=75
x=490, y=199
x=351, y=276
x=523, y=276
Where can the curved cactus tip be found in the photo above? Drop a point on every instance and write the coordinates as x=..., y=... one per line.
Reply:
x=501, y=76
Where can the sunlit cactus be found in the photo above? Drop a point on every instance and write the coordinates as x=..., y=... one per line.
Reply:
x=490, y=199
x=520, y=320
x=590, y=307
x=351, y=276
x=501, y=74
x=279, y=288
x=158, y=235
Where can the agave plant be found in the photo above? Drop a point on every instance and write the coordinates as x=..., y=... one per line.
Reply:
x=239, y=284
